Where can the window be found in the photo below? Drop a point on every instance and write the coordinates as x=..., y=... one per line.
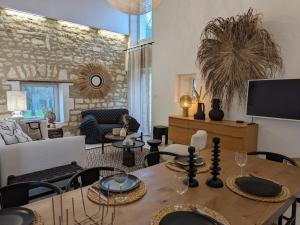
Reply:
x=145, y=26
x=41, y=98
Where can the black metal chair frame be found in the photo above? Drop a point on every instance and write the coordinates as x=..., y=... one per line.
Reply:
x=12, y=191
x=275, y=157
x=88, y=177
x=153, y=158
x=281, y=158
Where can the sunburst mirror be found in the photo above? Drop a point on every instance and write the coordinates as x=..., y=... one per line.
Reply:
x=93, y=80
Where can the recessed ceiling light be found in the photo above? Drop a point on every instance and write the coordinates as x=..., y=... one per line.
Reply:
x=112, y=34
x=25, y=15
x=73, y=25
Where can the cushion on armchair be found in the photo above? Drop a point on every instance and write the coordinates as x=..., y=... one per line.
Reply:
x=133, y=125
x=89, y=128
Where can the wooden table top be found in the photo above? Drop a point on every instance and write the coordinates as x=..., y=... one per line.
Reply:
x=237, y=210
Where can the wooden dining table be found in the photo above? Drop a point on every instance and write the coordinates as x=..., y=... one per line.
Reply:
x=236, y=209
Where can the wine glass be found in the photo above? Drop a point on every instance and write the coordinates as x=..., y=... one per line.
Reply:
x=180, y=188
x=241, y=160
x=120, y=176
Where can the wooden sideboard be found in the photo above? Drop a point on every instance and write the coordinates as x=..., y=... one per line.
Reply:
x=234, y=136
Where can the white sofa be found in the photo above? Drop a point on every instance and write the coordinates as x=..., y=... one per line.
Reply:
x=23, y=158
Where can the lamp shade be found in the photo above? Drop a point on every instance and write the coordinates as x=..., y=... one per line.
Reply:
x=186, y=101
x=16, y=101
x=134, y=7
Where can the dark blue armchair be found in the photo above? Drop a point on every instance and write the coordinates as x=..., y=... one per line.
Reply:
x=98, y=122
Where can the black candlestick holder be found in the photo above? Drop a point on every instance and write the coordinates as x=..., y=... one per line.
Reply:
x=191, y=181
x=215, y=181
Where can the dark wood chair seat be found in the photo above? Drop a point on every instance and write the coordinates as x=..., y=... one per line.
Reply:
x=15, y=195
x=51, y=175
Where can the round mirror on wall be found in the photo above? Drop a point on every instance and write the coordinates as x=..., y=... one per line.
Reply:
x=96, y=80
x=93, y=80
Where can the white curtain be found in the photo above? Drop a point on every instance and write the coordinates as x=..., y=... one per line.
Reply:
x=139, y=85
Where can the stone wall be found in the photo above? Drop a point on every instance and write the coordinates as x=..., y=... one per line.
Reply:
x=42, y=49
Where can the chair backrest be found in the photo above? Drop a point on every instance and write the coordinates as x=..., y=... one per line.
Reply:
x=199, y=140
x=87, y=177
x=275, y=157
x=15, y=195
x=106, y=116
x=152, y=158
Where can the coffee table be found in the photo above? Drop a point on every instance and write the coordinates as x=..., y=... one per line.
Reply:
x=128, y=154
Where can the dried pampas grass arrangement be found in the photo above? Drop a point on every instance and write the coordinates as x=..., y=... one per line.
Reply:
x=233, y=51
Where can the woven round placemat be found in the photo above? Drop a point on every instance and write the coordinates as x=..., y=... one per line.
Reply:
x=132, y=196
x=37, y=219
x=200, y=169
x=284, y=195
x=160, y=214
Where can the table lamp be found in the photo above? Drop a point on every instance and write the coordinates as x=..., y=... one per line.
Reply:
x=185, y=103
x=16, y=103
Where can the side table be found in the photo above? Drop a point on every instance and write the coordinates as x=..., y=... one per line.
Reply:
x=154, y=143
x=159, y=131
x=55, y=133
x=128, y=154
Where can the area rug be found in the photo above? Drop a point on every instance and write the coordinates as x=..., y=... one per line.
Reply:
x=113, y=157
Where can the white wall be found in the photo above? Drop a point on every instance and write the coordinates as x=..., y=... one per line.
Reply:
x=177, y=28
x=96, y=13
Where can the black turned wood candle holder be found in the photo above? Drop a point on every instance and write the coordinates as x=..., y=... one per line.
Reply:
x=214, y=181
x=191, y=181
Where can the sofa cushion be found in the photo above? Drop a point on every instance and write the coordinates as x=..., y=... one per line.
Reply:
x=106, y=116
x=12, y=133
x=132, y=123
x=107, y=128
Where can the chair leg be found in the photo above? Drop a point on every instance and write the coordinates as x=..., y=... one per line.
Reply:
x=290, y=220
x=102, y=148
x=294, y=212
x=141, y=137
x=280, y=220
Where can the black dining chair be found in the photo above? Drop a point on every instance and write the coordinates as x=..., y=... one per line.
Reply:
x=281, y=159
x=153, y=158
x=89, y=176
x=275, y=157
x=18, y=194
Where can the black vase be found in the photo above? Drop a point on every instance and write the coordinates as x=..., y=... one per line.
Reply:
x=216, y=114
x=200, y=114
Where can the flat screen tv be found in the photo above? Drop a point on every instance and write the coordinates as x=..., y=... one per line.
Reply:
x=274, y=98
